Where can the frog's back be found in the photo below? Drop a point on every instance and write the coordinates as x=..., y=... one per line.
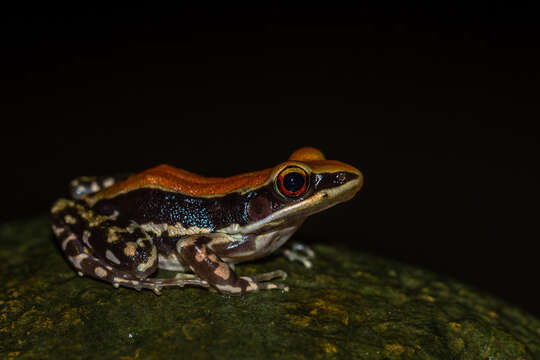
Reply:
x=169, y=178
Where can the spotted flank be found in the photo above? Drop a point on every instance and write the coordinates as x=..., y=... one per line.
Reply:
x=121, y=229
x=99, y=246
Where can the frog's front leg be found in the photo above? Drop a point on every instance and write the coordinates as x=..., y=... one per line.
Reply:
x=199, y=253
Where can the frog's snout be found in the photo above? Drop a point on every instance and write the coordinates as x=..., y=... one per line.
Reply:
x=341, y=178
x=340, y=182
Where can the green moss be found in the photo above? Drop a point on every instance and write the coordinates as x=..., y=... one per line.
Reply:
x=350, y=305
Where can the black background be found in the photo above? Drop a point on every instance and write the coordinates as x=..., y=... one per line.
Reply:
x=434, y=103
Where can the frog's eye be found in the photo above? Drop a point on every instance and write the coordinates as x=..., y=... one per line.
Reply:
x=292, y=181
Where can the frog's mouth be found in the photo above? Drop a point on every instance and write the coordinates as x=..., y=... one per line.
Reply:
x=320, y=201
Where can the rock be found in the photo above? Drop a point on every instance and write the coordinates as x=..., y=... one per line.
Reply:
x=350, y=305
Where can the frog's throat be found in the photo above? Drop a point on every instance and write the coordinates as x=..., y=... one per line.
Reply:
x=318, y=202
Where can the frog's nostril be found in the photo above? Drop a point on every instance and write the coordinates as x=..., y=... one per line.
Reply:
x=341, y=178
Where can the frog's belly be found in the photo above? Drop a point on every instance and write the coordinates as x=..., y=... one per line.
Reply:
x=261, y=245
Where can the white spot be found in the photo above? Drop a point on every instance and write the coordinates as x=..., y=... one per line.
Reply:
x=151, y=260
x=108, y=182
x=111, y=236
x=114, y=215
x=141, y=242
x=76, y=260
x=61, y=205
x=94, y=186
x=110, y=256
x=101, y=272
x=71, y=237
x=70, y=219
x=130, y=248
x=57, y=230
x=252, y=284
x=85, y=236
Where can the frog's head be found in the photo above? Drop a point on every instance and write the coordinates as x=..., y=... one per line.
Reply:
x=305, y=184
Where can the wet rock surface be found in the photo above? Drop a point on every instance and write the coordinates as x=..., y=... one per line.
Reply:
x=349, y=305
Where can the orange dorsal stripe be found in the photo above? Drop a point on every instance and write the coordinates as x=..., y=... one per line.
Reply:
x=177, y=180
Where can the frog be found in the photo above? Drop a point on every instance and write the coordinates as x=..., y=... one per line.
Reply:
x=122, y=229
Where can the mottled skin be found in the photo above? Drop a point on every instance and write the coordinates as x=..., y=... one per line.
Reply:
x=122, y=229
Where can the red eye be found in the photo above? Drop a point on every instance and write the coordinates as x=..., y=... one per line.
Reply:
x=292, y=181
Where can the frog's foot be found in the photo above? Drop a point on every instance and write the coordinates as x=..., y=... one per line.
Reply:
x=301, y=253
x=197, y=253
x=261, y=281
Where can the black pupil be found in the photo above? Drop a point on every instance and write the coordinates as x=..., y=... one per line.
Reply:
x=293, y=181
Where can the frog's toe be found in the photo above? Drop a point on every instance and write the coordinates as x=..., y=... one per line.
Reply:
x=293, y=255
x=258, y=282
x=262, y=281
x=303, y=248
x=276, y=274
x=157, y=290
x=184, y=276
x=272, y=286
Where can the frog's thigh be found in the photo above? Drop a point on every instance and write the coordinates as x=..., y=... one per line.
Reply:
x=101, y=250
x=129, y=251
x=197, y=253
x=87, y=263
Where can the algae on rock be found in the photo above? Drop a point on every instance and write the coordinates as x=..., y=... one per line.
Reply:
x=349, y=305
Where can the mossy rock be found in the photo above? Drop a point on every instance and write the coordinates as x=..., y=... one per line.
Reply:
x=350, y=305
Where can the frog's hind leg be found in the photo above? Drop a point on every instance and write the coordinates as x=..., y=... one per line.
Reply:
x=201, y=253
x=97, y=248
x=85, y=185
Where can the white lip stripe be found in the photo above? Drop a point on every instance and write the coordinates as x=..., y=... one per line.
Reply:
x=335, y=196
